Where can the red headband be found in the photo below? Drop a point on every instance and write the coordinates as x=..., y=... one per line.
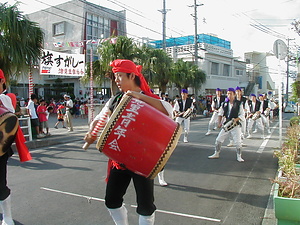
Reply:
x=127, y=66
x=2, y=75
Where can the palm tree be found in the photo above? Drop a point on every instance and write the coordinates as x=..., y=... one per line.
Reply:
x=187, y=74
x=123, y=48
x=21, y=41
x=157, y=67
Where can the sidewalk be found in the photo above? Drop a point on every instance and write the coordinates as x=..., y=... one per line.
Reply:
x=60, y=135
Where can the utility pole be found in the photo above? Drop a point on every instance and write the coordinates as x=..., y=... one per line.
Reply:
x=164, y=13
x=287, y=69
x=196, y=32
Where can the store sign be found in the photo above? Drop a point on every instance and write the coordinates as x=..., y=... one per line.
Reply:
x=58, y=63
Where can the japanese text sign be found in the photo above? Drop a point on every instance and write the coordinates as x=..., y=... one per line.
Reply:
x=58, y=63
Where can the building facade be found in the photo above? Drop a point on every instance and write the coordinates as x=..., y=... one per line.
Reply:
x=215, y=57
x=260, y=80
x=72, y=27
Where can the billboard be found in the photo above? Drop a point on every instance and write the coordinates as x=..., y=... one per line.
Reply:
x=58, y=63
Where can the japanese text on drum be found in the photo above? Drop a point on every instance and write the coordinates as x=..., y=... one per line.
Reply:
x=120, y=130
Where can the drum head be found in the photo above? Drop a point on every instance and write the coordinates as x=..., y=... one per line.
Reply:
x=8, y=127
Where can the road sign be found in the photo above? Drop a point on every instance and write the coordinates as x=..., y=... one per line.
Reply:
x=280, y=49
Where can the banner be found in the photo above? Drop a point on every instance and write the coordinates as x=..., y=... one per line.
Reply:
x=58, y=63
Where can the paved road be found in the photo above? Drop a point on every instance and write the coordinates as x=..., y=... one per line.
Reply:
x=64, y=184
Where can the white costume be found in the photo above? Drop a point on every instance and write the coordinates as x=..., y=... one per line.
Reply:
x=216, y=104
x=230, y=111
x=181, y=106
x=252, y=107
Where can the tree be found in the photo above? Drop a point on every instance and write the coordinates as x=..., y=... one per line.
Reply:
x=187, y=74
x=21, y=41
x=296, y=91
x=114, y=48
x=157, y=67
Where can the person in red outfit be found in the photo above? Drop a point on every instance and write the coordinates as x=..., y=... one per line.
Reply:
x=130, y=82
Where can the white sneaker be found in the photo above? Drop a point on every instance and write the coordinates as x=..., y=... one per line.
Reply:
x=269, y=132
x=215, y=128
x=40, y=136
x=230, y=144
x=255, y=131
x=208, y=133
x=249, y=136
x=185, y=140
x=216, y=155
x=239, y=158
x=161, y=179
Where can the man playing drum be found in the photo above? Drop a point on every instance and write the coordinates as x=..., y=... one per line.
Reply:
x=231, y=111
x=184, y=106
x=131, y=82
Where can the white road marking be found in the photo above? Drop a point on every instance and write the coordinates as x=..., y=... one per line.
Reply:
x=89, y=198
x=265, y=142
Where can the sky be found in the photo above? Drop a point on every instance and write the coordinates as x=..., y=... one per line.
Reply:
x=249, y=25
x=232, y=20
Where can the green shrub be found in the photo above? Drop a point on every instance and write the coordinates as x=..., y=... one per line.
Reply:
x=295, y=120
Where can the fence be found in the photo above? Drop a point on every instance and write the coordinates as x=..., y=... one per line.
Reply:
x=26, y=127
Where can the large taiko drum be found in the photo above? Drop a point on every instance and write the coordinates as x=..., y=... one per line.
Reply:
x=8, y=127
x=139, y=137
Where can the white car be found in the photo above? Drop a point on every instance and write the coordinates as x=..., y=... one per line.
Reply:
x=289, y=109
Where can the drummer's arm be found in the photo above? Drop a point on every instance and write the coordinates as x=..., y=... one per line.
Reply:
x=156, y=103
x=88, y=137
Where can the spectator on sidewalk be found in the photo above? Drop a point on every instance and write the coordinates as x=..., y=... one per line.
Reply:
x=48, y=113
x=34, y=119
x=61, y=111
x=82, y=110
x=42, y=114
x=68, y=116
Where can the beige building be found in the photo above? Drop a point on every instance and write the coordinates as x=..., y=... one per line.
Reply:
x=70, y=28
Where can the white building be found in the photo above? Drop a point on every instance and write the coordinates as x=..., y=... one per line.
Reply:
x=68, y=28
x=260, y=80
x=215, y=58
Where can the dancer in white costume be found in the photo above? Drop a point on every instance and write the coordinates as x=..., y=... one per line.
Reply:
x=180, y=107
x=265, y=116
x=232, y=111
x=254, y=110
x=216, y=104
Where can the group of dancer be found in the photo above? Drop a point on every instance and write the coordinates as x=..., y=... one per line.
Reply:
x=234, y=113
x=237, y=115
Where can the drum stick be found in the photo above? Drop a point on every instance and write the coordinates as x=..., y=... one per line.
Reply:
x=99, y=126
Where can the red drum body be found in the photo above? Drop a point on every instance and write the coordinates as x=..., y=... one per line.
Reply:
x=140, y=137
x=8, y=127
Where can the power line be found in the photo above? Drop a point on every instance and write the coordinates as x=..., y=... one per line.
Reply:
x=134, y=10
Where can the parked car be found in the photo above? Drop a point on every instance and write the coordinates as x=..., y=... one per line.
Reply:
x=289, y=109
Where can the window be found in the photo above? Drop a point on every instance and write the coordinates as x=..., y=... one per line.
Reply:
x=59, y=28
x=226, y=70
x=95, y=27
x=239, y=72
x=214, y=68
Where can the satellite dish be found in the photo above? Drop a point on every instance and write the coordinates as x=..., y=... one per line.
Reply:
x=280, y=49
